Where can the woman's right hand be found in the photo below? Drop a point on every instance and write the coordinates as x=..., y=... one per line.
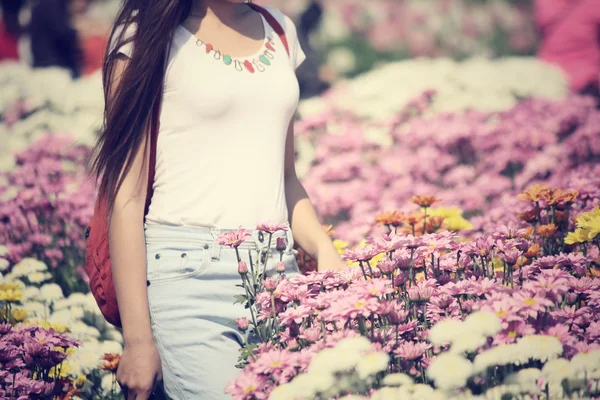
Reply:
x=139, y=370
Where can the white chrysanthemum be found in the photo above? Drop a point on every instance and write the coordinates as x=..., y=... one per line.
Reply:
x=77, y=299
x=342, y=59
x=540, y=347
x=107, y=384
x=51, y=292
x=351, y=397
x=527, y=376
x=446, y=331
x=416, y=391
x=372, y=364
x=397, y=379
x=483, y=322
x=450, y=371
x=61, y=304
x=586, y=362
x=324, y=383
x=3, y=250
x=32, y=293
x=39, y=277
x=355, y=344
x=28, y=266
x=302, y=386
x=386, y=393
x=35, y=310
x=500, y=355
x=76, y=312
x=87, y=357
x=283, y=392
x=558, y=369
x=81, y=331
x=500, y=391
x=111, y=346
x=62, y=317
x=4, y=264
x=468, y=342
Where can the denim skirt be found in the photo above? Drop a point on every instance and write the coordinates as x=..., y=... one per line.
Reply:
x=191, y=288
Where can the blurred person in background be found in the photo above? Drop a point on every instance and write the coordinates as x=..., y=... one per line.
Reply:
x=54, y=39
x=311, y=83
x=10, y=29
x=570, y=38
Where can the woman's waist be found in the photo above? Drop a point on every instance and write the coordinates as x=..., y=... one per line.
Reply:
x=268, y=236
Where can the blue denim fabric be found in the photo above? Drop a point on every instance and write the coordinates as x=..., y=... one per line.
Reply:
x=192, y=284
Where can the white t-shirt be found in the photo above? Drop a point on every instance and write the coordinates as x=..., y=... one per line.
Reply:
x=221, y=143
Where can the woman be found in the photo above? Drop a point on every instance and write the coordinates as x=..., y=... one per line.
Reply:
x=225, y=159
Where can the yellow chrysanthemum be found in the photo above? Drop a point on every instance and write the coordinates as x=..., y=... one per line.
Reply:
x=590, y=222
x=452, y=217
x=340, y=245
x=578, y=236
x=10, y=285
x=81, y=380
x=11, y=295
x=47, y=325
x=19, y=315
x=62, y=370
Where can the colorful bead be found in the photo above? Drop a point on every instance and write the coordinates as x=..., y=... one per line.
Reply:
x=264, y=60
x=249, y=66
x=270, y=46
x=227, y=59
x=209, y=47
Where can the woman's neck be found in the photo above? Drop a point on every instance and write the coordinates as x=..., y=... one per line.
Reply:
x=220, y=9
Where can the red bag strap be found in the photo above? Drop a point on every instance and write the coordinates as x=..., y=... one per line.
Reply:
x=274, y=24
x=154, y=127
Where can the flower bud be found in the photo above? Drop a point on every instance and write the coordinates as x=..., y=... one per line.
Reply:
x=270, y=284
x=281, y=244
x=242, y=323
x=242, y=268
x=280, y=268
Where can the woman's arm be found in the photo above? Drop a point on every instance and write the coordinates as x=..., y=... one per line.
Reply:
x=127, y=243
x=306, y=228
x=139, y=368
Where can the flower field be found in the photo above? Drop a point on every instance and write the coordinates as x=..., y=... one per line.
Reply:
x=353, y=38
x=465, y=195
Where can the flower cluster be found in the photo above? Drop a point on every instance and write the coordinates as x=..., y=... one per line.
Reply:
x=46, y=204
x=500, y=303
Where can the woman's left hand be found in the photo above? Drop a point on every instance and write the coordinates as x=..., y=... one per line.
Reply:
x=328, y=259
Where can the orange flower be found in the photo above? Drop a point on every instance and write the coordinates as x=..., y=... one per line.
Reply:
x=112, y=362
x=546, y=230
x=533, y=251
x=414, y=218
x=329, y=230
x=528, y=216
x=534, y=193
x=436, y=222
x=424, y=201
x=570, y=196
x=561, y=217
x=393, y=218
x=528, y=233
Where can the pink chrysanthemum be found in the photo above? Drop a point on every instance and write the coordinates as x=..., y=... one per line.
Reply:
x=234, y=238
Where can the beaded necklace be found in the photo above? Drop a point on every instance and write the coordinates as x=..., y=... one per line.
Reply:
x=259, y=62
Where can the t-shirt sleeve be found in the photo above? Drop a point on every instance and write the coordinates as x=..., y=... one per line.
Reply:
x=125, y=44
x=297, y=55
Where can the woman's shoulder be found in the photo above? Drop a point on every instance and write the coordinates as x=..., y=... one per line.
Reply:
x=284, y=20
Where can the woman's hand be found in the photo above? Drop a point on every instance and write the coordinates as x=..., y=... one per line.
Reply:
x=139, y=370
x=328, y=259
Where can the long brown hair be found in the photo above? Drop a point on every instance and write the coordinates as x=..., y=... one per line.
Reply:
x=128, y=112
